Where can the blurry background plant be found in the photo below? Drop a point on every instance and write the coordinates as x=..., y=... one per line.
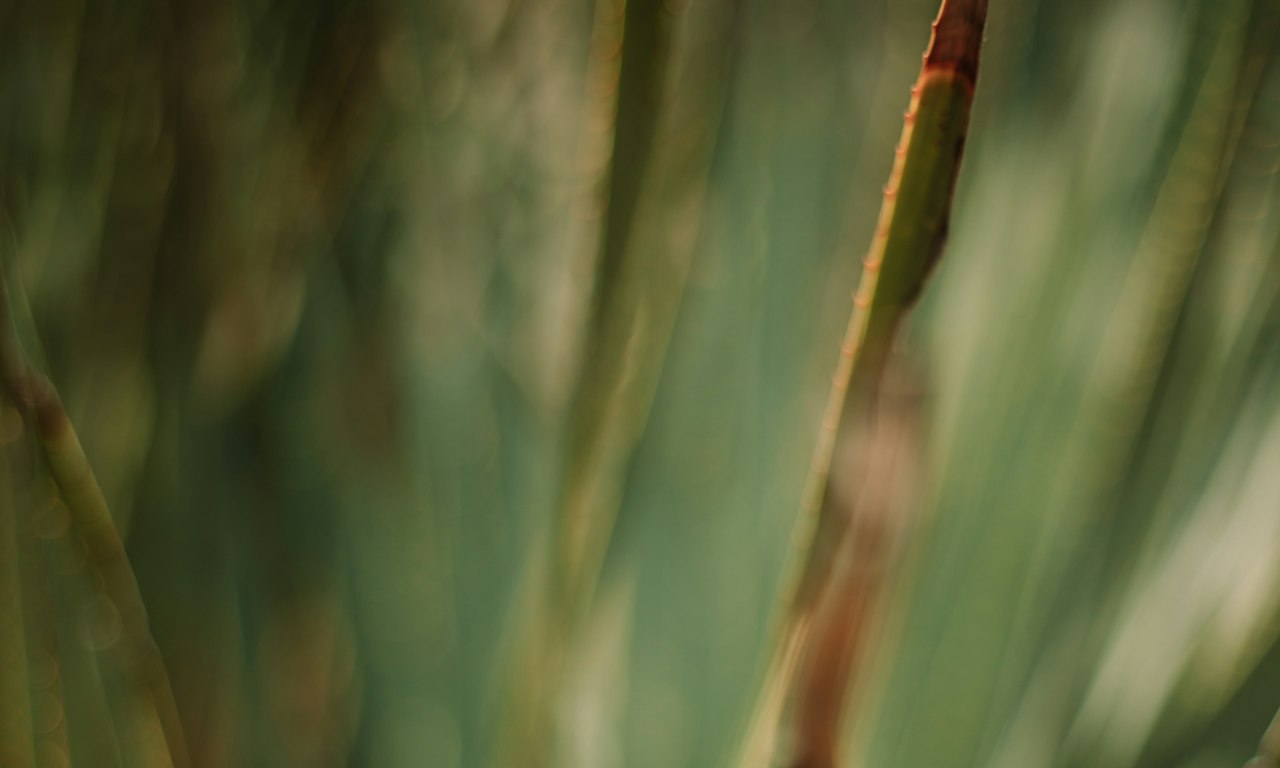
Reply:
x=314, y=280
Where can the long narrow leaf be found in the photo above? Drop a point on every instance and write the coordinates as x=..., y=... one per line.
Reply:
x=908, y=241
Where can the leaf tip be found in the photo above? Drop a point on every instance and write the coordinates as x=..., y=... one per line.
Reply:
x=957, y=38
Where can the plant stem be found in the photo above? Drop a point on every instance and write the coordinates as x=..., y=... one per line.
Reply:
x=908, y=241
x=35, y=397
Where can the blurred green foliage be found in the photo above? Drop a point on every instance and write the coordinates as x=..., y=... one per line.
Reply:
x=315, y=281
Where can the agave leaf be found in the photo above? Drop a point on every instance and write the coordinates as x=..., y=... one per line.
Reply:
x=908, y=241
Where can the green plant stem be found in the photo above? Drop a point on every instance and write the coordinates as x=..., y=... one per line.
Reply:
x=16, y=746
x=628, y=325
x=909, y=237
x=37, y=400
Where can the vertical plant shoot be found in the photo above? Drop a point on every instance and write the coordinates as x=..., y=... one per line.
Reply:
x=908, y=240
x=911, y=230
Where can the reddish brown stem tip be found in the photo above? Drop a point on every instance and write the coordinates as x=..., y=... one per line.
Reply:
x=957, y=38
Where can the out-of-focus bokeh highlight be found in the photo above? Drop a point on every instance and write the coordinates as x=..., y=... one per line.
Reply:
x=382, y=322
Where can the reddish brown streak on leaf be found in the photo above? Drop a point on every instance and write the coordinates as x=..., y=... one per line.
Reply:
x=836, y=647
